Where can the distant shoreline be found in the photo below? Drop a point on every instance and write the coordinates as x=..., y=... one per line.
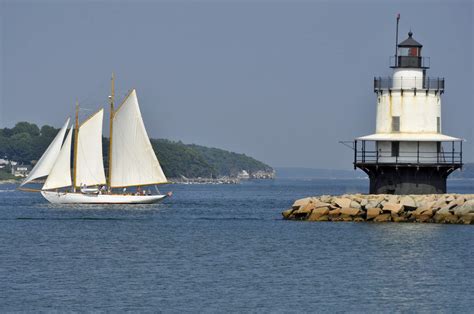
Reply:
x=10, y=181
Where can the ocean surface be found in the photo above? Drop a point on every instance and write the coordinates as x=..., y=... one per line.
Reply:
x=216, y=248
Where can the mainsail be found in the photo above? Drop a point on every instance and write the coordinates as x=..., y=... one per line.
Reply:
x=134, y=162
x=60, y=175
x=90, y=165
x=46, y=162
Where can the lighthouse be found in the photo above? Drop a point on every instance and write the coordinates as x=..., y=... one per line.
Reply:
x=408, y=153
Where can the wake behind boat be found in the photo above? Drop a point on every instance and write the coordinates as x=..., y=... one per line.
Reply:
x=132, y=161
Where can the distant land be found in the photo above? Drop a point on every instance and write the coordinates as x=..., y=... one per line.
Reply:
x=26, y=142
x=311, y=173
x=314, y=173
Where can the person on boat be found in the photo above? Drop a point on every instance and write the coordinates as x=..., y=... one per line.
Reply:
x=124, y=191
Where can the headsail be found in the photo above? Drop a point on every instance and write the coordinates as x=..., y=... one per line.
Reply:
x=133, y=160
x=60, y=175
x=90, y=164
x=46, y=162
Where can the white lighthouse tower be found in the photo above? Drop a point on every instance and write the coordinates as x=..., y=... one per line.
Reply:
x=408, y=154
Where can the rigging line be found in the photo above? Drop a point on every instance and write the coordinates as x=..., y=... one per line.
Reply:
x=121, y=94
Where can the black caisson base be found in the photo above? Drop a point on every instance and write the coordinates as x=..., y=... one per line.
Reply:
x=407, y=179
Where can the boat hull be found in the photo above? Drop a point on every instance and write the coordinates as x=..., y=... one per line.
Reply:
x=80, y=198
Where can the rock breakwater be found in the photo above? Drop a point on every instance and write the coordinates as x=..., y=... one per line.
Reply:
x=432, y=208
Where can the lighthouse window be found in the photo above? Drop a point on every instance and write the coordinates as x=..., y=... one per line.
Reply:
x=410, y=52
x=413, y=52
x=395, y=124
x=395, y=149
x=403, y=51
x=438, y=124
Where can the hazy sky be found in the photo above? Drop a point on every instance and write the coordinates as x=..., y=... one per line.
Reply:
x=280, y=81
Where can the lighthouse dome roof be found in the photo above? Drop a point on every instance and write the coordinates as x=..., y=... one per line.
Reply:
x=410, y=42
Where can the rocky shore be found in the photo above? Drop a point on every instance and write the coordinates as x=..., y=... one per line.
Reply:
x=434, y=208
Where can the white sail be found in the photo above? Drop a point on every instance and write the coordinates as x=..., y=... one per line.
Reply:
x=90, y=165
x=46, y=162
x=133, y=160
x=60, y=175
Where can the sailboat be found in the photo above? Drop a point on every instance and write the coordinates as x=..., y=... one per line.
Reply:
x=132, y=161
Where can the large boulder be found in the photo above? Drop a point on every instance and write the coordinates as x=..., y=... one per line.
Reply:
x=424, y=218
x=425, y=204
x=422, y=211
x=408, y=202
x=440, y=203
x=373, y=212
x=445, y=217
x=467, y=219
x=323, y=218
x=374, y=203
x=305, y=209
x=318, y=213
x=383, y=218
x=393, y=199
x=449, y=198
x=350, y=211
x=287, y=213
x=393, y=208
x=342, y=202
x=301, y=202
x=355, y=204
x=326, y=198
x=318, y=203
x=449, y=206
x=397, y=218
x=444, y=211
x=460, y=200
x=466, y=208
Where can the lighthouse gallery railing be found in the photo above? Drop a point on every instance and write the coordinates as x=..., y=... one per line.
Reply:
x=412, y=83
x=409, y=157
x=362, y=156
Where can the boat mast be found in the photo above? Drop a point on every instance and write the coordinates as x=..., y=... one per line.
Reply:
x=76, y=135
x=111, y=99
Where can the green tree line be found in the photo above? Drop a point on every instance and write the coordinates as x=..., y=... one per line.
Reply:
x=26, y=142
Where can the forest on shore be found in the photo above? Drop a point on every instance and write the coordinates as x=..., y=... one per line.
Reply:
x=26, y=142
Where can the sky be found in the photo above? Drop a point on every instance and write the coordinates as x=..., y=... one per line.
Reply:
x=281, y=81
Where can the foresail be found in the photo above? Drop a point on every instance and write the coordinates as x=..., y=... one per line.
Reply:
x=90, y=164
x=133, y=160
x=46, y=162
x=60, y=175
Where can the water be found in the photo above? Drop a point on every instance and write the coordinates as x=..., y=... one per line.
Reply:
x=218, y=248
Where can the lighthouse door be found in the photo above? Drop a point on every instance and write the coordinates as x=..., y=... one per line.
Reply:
x=395, y=149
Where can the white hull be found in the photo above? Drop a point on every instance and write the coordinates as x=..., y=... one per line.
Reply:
x=80, y=198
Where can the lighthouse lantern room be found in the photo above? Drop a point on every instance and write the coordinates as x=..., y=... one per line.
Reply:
x=408, y=154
